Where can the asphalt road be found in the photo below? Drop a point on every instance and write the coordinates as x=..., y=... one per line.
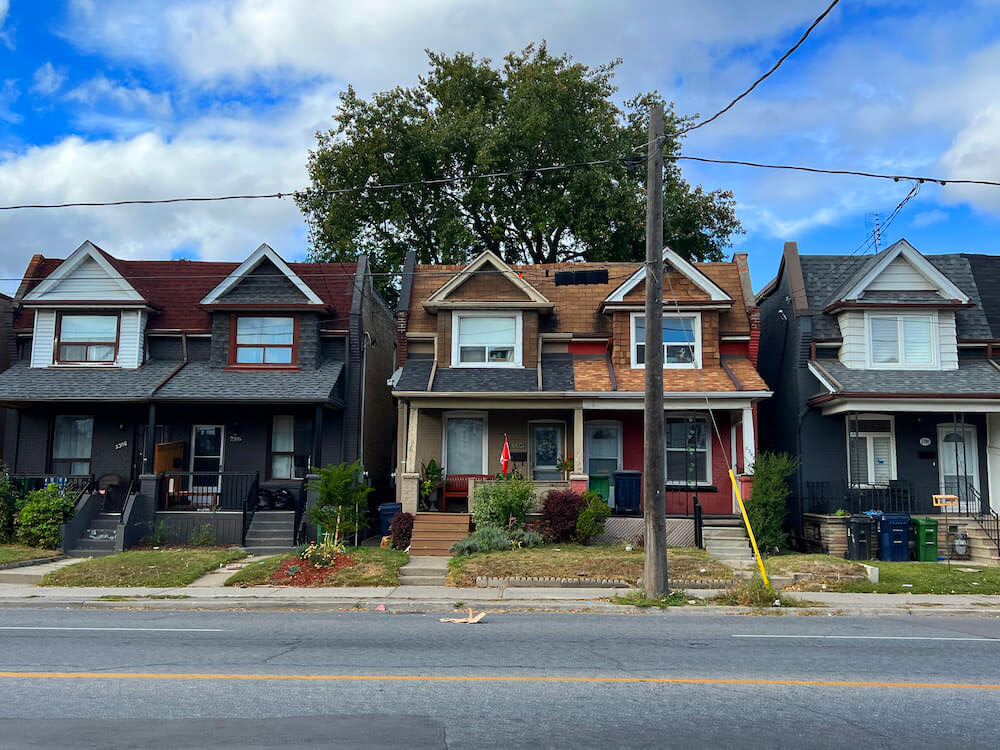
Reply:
x=109, y=679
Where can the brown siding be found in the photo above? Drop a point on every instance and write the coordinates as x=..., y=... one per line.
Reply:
x=682, y=287
x=489, y=287
x=530, y=338
x=444, y=338
x=709, y=339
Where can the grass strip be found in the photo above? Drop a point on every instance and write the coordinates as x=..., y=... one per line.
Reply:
x=11, y=553
x=153, y=568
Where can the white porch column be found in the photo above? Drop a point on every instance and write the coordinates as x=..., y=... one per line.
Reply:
x=578, y=477
x=409, y=479
x=749, y=441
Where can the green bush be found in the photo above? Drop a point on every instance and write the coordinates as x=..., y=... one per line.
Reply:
x=39, y=518
x=204, y=536
x=590, y=522
x=8, y=507
x=767, y=504
x=484, y=539
x=520, y=537
x=495, y=503
x=160, y=535
x=343, y=499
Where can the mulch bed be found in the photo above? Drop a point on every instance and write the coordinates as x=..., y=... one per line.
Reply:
x=307, y=574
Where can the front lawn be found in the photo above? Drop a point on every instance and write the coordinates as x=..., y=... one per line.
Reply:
x=603, y=562
x=374, y=566
x=10, y=553
x=818, y=566
x=154, y=568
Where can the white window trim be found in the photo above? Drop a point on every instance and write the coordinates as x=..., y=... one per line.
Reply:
x=709, y=482
x=849, y=419
x=444, y=436
x=518, y=333
x=696, y=365
x=932, y=317
x=943, y=429
x=598, y=424
x=531, y=445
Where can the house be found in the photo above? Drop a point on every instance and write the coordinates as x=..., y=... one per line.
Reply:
x=885, y=382
x=551, y=357
x=222, y=379
x=6, y=347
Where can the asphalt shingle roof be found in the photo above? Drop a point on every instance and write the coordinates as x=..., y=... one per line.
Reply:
x=485, y=379
x=973, y=377
x=197, y=381
x=557, y=373
x=23, y=383
x=415, y=375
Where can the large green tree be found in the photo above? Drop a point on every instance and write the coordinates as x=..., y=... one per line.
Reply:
x=467, y=118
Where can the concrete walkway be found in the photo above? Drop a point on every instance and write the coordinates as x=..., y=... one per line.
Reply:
x=30, y=574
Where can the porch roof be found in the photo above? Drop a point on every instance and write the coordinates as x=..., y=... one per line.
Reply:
x=197, y=381
x=21, y=383
x=973, y=378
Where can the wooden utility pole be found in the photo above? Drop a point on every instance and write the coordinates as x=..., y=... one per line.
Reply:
x=654, y=504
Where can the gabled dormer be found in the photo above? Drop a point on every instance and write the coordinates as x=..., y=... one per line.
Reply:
x=86, y=314
x=487, y=316
x=897, y=312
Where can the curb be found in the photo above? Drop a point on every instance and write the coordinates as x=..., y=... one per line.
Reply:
x=29, y=563
x=490, y=582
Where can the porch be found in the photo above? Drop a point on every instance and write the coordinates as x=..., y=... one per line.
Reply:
x=577, y=446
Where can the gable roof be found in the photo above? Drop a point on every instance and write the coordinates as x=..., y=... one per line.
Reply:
x=260, y=255
x=86, y=253
x=533, y=298
x=699, y=279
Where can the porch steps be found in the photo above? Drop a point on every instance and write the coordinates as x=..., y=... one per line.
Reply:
x=99, y=538
x=424, y=571
x=271, y=532
x=434, y=533
x=726, y=540
x=982, y=549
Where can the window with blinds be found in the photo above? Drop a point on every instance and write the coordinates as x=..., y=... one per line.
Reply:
x=901, y=341
x=871, y=445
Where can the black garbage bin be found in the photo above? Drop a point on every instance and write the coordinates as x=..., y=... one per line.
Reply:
x=894, y=537
x=859, y=538
x=628, y=491
x=385, y=513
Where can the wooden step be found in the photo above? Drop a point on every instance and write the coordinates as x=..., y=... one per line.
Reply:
x=442, y=519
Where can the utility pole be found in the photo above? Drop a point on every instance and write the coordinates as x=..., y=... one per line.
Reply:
x=654, y=504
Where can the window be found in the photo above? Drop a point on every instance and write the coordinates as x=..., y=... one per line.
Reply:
x=901, y=341
x=871, y=450
x=87, y=338
x=689, y=458
x=486, y=340
x=681, y=340
x=283, y=447
x=465, y=444
x=72, y=439
x=264, y=341
x=546, y=451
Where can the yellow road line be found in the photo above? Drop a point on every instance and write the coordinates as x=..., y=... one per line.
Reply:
x=489, y=678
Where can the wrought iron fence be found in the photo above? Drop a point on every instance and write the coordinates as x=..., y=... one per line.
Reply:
x=220, y=491
x=830, y=497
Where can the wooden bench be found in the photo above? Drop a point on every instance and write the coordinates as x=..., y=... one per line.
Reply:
x=456, y=486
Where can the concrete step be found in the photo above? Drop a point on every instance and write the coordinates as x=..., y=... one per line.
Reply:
x=104, y=523
x=264, y=550
x=424, y=569
x=409, y=580
x=90, y=552
x=724, y=533
x=92, y=543
x=272, y=526
x=423, y=549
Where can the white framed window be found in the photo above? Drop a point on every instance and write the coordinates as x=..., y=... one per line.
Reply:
x=871, y=449
x=681, y=340
x=689, y=450
x=464, y=441
x=87, y=339
x=901, y=341
x=485, y=339
x=283, y=447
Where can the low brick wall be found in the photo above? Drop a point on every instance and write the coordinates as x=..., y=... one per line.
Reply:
x=825, y=533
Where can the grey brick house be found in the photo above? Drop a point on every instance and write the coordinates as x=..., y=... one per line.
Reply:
x=885, y=382
x=223, y=379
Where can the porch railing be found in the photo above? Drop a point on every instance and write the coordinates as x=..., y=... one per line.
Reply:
x=219, y=491
x=300, y=510
x=829, y=497
x=73, y=485
x=974, y=505
x=250, y=506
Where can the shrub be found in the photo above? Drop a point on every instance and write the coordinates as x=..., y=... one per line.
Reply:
x=204, y=536
x=323, y=555
x=8, y=506
x=39, y=518
x=767, y=504
x=560, y=510
x=495, y=503
x=484, y=539
x=521, y=537
x=343, y=499
x=160, y=535
x=401, y=530
x=590, y=522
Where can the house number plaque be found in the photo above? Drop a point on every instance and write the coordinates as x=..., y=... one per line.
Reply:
x=122, y=444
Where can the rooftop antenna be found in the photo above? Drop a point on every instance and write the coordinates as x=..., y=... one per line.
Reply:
x=873, y=221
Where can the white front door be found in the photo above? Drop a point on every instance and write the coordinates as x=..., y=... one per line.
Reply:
x=958, y=460
x=207, y=449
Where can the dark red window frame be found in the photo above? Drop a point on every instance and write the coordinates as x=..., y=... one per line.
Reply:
x=234, y=347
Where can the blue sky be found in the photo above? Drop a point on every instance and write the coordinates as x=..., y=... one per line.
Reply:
x=112, y=99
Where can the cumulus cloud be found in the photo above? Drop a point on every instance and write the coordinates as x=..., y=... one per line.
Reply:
x=130, y=99
x=927, y=218
x=5, y=38
x=10, y=92
x=48, y=79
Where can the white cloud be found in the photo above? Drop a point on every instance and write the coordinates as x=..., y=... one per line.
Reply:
x=5, y=35
x=927, y=218
x=48, y=79
x=10, y=92
x=131, y=99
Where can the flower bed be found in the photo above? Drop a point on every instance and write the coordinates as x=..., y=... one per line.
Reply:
x=295, y=571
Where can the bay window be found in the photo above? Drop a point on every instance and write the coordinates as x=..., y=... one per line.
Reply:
x=901, y=341
x=486, y=340
x=87, y=339
x=681, y=340
x=689, y=454
x=262, y=341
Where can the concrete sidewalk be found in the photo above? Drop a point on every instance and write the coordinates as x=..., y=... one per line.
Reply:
x=445, y=599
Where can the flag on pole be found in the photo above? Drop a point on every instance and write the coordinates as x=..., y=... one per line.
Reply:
x=505, y=455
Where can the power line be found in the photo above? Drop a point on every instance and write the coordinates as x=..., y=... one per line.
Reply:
x=766, y=75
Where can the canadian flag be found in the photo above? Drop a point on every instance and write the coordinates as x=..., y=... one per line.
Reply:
x=505, y=455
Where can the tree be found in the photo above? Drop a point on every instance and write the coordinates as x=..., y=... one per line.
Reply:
x=342, y=506
x=467, y=118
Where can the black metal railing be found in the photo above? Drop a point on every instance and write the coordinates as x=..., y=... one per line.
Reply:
x=975, y=506
x=830, y=497
x=250, y=506
x=300, y=510
x=699, y=521
x=72, y=485
x=220, y=491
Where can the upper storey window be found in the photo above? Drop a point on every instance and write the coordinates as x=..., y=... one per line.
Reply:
x=901, y=341
x=264, y=341
x=481, y=340
x=681, y=340
x=87, y=339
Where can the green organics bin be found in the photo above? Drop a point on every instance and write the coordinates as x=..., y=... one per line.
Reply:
x=925, y=539
x=600, y=483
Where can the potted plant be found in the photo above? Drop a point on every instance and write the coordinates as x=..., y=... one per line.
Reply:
x=565, y=464
x=431, y=480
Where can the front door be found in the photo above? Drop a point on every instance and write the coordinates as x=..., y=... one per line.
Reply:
x=546, y=451
x=206, y=464
x=602, y=447
x=465, y=440
x=958, y=462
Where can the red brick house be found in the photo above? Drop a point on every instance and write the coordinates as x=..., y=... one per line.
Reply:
x=552, y=356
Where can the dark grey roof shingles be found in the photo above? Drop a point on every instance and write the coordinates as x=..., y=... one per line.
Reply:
x=23, y=383
x=197, y=381
x=557, y=373
x=415, y=375
x=973, y=377
x=485, y=379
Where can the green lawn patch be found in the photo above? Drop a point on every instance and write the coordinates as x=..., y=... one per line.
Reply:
x=639, y=599
x=926, y=578
x=376, y=566
x=10, y=553
x=606, y=562
x=155, y=568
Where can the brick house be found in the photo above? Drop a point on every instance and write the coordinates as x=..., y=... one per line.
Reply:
x=551, y=356
x=222, y=379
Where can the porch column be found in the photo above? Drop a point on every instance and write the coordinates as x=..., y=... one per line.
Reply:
x=401, y=440
x=578, y=477
x=149, y=447
x=749, y=442
x=409, y=490
x=317, y=446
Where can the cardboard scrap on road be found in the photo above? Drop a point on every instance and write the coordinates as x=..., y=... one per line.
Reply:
x=470, y=620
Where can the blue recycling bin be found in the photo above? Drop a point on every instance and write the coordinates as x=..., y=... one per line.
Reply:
x=628, y=491
x=385, y=513
x=894, y=537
